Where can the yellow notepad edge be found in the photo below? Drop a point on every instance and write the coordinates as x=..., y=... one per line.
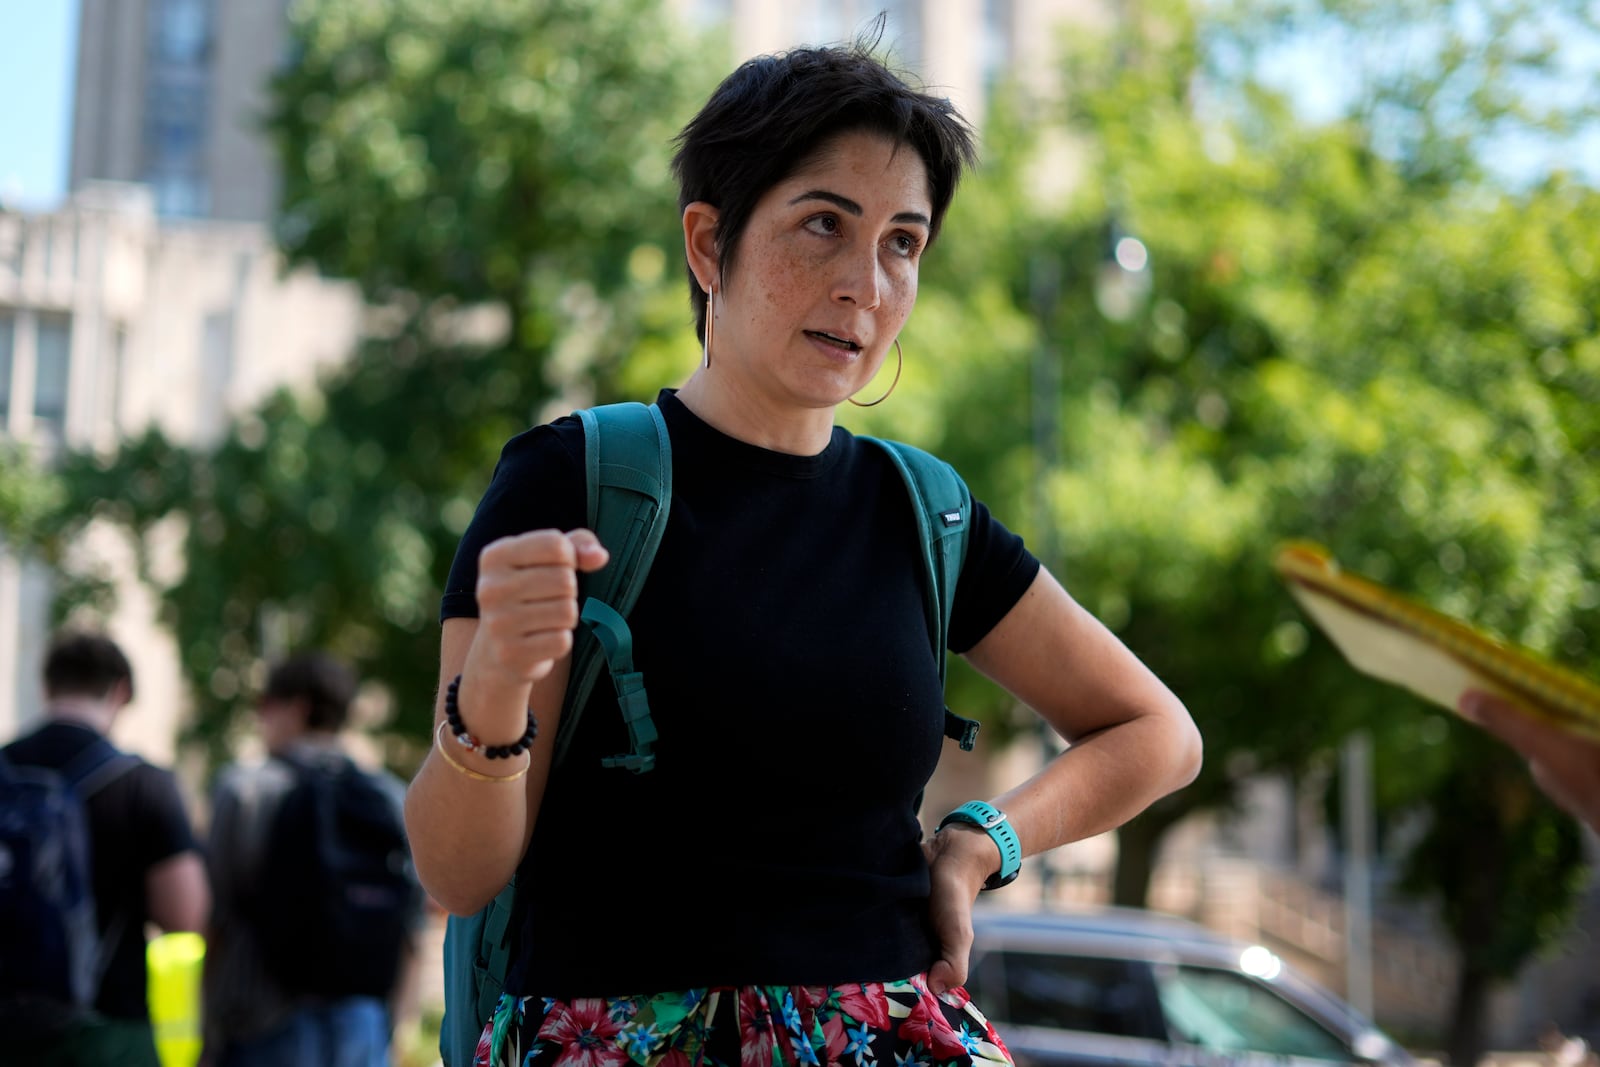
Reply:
x=1553, y=692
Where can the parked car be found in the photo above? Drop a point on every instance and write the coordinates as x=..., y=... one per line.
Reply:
x=1134, y=987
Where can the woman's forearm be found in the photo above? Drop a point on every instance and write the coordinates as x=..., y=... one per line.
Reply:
x=1132, y=741
x=1103, y=780
x=470, y=817
x=468, y=825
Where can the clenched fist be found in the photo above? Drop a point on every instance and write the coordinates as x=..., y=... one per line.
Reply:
x=528, y=600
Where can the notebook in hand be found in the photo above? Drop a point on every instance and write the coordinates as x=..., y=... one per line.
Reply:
x=1406, y=643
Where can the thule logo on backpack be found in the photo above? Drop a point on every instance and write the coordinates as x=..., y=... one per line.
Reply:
x=951, y=518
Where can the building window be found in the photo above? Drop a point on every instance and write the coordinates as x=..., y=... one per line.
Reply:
x=183, y=31
x=902, y=32
x=821, y=22
x=13, y=243
x=177, y=91
x=119, y=374
x=8, y=334
x=180, y=195
x=995, y=50
x=216, y=374
x=54, y=353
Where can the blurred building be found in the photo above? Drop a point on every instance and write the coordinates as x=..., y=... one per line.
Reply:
x=113, y=321
x=959, y=47
x=171, y=93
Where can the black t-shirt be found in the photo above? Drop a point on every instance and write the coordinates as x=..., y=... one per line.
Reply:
x=784, y=642
x=136, y=821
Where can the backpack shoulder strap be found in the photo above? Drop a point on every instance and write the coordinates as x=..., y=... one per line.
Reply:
x=97, y=766
x=628, y=469
x=942, y=505
x=628, y=461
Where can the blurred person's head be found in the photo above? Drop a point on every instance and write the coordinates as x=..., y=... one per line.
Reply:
x=310, y=692
x=88, y=673
x=777, y=115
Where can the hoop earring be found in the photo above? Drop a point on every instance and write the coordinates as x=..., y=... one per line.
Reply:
x=899, y=365
x=711, y=318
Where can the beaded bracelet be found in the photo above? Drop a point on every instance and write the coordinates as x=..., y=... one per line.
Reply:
x=452, y=715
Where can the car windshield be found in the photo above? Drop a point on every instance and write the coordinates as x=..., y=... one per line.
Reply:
x=1230, y=1012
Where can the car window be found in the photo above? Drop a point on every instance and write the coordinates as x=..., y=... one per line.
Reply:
x=1231, y=1012
x=1104, y=996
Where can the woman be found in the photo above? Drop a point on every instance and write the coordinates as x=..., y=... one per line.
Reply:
x=763, y=895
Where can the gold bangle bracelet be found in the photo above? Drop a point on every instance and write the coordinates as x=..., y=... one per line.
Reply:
x=476, y=776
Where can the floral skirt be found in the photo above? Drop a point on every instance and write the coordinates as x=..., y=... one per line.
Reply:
x=877, y=1024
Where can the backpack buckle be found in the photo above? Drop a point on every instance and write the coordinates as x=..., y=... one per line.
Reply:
x=637, y=762
x=960, y=729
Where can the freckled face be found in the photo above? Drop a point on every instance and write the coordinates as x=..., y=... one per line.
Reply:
x=827, y=273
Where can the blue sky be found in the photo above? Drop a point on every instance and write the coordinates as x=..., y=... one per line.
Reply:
x=37, y=58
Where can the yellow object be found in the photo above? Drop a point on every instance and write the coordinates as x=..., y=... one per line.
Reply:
x=175, y=962
x=1406, y=643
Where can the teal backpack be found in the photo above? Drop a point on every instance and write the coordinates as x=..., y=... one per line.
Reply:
x=629, y=475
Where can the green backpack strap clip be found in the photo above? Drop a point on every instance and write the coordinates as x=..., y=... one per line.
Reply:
x=628, y=457
x=943, y=507
x=611, y=630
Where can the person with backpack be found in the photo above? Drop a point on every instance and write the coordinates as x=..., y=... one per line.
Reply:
x=95, y=846
x=714, y=853
x=310, y=950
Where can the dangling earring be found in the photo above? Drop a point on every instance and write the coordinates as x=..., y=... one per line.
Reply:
x=899, y=365
x=711, y=318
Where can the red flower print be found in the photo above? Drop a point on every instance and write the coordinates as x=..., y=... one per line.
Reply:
x=833, y=1030
x=480, y=1055
x=808, y=998
x=927, y=1026
x=865, y=1003
x=758, y=1038
x=586, y=1034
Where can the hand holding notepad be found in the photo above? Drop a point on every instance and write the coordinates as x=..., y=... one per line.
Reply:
x=1550, y=714
x=1565, y=767
x=1401, y=641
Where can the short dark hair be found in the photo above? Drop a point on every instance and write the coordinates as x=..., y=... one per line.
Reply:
x=770, y=116
x=85, y=664
x=324, y=683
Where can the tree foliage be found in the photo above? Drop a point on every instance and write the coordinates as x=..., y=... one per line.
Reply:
x=478, y=151
x=1369, y=340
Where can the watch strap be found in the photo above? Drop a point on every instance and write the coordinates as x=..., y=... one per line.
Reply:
x=992, y=821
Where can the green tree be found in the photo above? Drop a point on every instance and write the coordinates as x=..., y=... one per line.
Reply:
x=1352, y=331
x=480, y=151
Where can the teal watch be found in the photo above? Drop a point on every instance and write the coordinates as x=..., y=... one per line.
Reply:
x=992, y=821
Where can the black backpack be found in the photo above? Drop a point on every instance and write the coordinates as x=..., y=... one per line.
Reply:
x=336, y=894
x=49, y=942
